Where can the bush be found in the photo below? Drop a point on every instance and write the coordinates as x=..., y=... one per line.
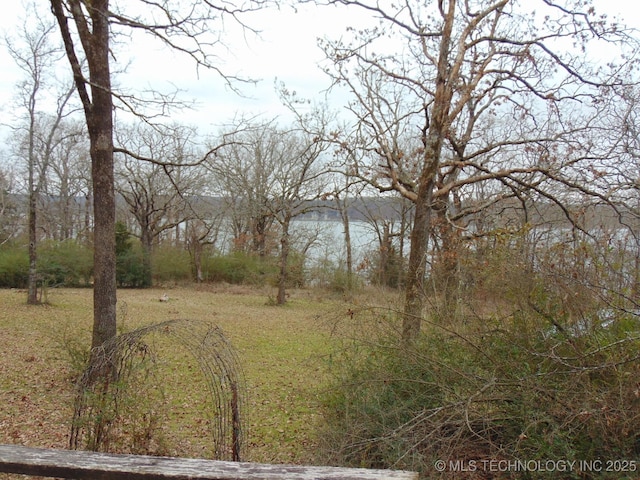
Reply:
x=130, y=268
x=386, y=268
x=343, y=282
x=130, y=271
x=67, y=263
x=327, y=274
x=296, y=277
x=539, y=363
x=238, y=268
x=170, y=264
x=376, y=394
x=511, y=389
x=14, y=266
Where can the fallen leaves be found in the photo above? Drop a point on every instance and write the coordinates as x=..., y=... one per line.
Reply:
x=280, y=351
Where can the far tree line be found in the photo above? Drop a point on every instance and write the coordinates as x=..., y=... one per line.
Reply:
x=241, y=203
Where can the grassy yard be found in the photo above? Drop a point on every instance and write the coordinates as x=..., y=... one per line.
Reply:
x=282, y=349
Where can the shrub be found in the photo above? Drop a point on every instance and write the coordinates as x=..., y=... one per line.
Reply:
x=14, y=266
x=378, y=393
x=171, y=264
x=67, y=263
x=386, y=267
x=130, y=267
x=342, y=282
x=507, y=389
x=296, y=277
x=237, y=268
x=538, y=362
x=335, y=278
x=130, y=271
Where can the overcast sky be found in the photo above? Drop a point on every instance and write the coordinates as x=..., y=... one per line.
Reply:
x=286, y=50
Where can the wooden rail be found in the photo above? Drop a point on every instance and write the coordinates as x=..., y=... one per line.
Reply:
x=105, y=466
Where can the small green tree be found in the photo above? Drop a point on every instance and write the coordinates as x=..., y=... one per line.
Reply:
x=129, y=263
x=123, y=245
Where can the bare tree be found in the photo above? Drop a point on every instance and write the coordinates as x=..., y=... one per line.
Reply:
x=36, y=55
x=619, y=181
x=299, y=179
x=203, y=230
x=244, y=171
x=482, y=92
x=87, y=29
x=9, y=218
x=389, y=218
x=343, y=196
x=275, y=174
x=157, y=194
x=67, y=184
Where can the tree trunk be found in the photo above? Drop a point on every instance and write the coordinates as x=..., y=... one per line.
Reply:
x=416, y=270
x=446, y=266
x=104, y=290
x=259, y=234
x=32, y=281
x=344, y=215
x=433, y=137
x=66, y=220
x=197, y=261
x=98, y=108
x=101, y=139
x=284, y=256
x=88, y=203
x=147, y=245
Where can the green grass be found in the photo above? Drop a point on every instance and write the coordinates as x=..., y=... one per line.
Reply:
x=282, y=352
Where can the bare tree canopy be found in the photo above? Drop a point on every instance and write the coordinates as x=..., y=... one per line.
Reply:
x=88, y=29
x=459, y=105
x=36, y=53
x=269, y=175
x=157, y=193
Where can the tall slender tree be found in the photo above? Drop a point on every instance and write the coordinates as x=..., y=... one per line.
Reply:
x=298, y=180
x=8, y=212
x=36, y=54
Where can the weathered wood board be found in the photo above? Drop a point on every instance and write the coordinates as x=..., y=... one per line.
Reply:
x=99, y=466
